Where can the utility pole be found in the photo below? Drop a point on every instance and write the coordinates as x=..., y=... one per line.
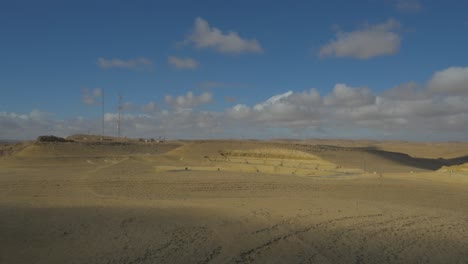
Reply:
x=120, y=110
x=102, y=94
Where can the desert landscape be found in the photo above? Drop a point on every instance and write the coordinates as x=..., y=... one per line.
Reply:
x=87, y=200
x=233, y=132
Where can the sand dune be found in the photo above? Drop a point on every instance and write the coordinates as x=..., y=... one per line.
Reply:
x=233, y=202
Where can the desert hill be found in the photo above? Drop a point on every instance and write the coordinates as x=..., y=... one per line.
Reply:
x=87, y=199
x=364, y=156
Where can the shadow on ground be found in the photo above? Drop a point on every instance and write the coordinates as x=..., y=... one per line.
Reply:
x=362, y=157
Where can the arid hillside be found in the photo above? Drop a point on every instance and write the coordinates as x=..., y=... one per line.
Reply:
x=93, y=200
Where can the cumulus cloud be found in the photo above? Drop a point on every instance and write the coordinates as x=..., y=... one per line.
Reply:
x=239, y=111
x=27, y=125
x=206, y=36
x=365, y=43
x=137, y=63
x=182, y=63
x=311, y=98
x=188, y=100
x=149, y=107
x=288, y=109
x=406, y=111
x=274, y=100
x=406, y=91
x=91, y=97
x=453, y=80
x=344, y=95
x=170, y=124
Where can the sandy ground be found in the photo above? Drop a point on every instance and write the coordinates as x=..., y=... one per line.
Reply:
x=234, y=202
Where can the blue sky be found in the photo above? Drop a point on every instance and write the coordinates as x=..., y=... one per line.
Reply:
x=380, y=69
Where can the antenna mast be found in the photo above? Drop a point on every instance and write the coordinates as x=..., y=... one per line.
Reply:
x=102, y=94
x=120, y=110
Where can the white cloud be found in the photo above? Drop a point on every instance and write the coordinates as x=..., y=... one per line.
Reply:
x=343, y=95
x=188, y=100
x=406, y=111
x=91, y=97
x=288, y=109
x=453, y=80
x=205, y=36
x=149, y=107
x=27, y=125
x=406, y=91
x=368, y=42
x=311, y=98
x=273, y=100
x=239, y=111
x=182, y=63
x=137, y=63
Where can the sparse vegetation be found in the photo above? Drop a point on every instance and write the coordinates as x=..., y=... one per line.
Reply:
x=52, y=139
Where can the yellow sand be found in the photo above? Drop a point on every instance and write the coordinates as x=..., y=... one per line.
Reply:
x=234, y=202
